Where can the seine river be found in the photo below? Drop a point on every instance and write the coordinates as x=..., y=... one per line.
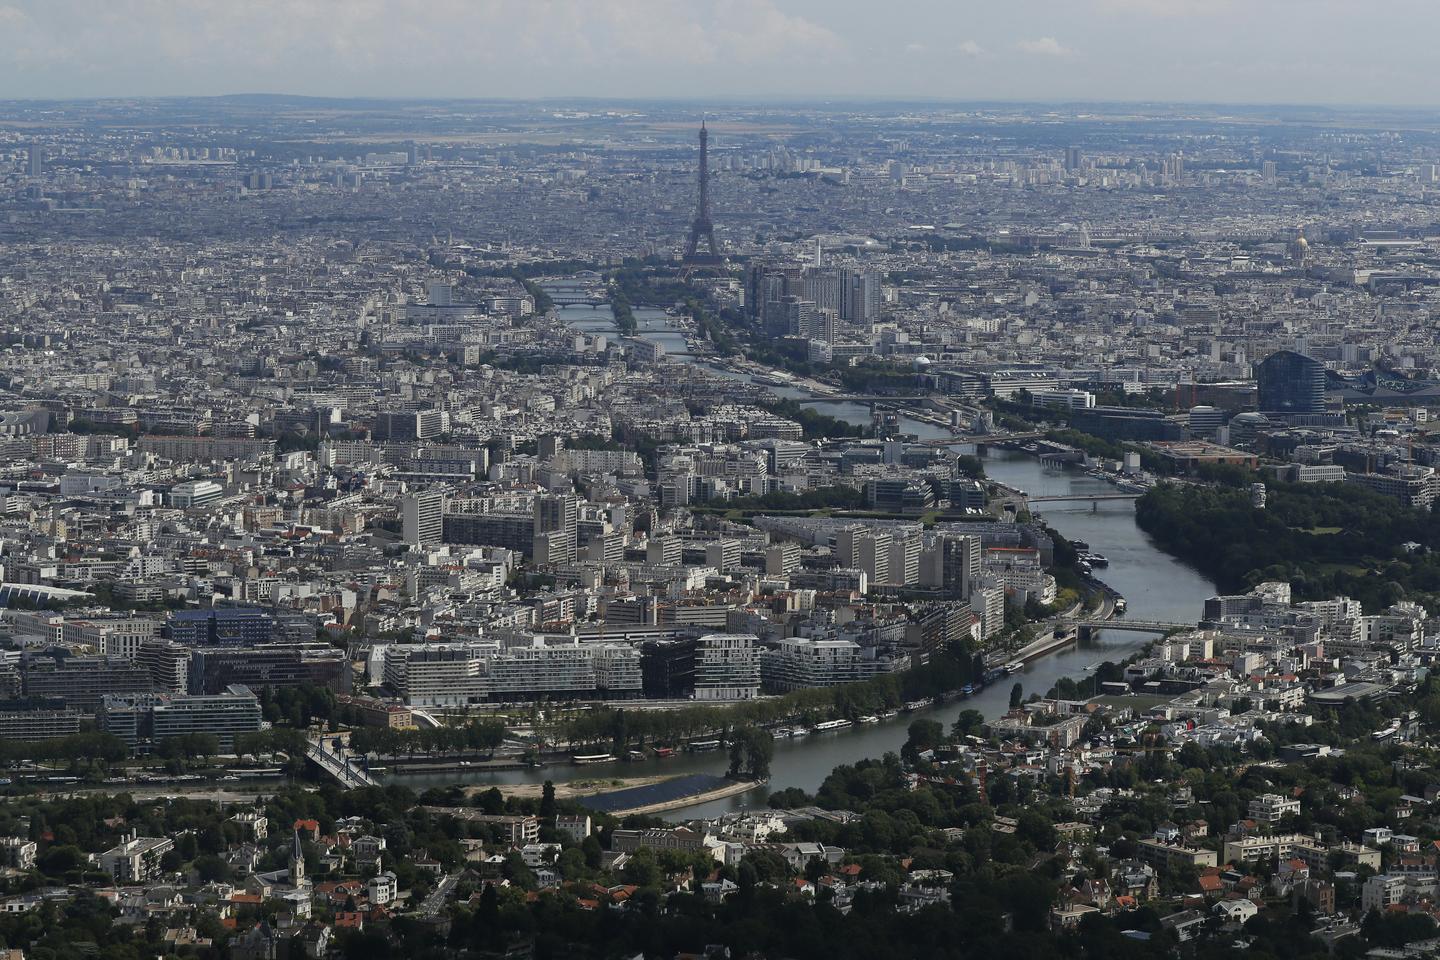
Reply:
x=1155, y=586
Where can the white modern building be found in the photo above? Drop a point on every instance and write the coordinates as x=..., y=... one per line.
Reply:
x=727, y=667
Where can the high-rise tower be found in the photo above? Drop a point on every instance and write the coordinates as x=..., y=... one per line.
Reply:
x=702, y=228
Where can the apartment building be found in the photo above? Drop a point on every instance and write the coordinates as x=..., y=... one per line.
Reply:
x=1271, y=807
x=799, y=662
x=727, y=667
x=438, y=674
x=145, y=721
x=136, y=859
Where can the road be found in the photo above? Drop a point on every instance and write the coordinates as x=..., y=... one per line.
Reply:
x=436, y=901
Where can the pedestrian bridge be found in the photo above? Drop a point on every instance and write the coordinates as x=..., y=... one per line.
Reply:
x=339, y=764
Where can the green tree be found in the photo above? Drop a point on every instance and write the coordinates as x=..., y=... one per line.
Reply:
x=922, y=735
x=969, y=722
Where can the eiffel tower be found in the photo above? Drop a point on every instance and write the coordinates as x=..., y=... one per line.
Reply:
x=702, y=228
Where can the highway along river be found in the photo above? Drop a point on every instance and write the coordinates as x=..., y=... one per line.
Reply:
x=1155, y=586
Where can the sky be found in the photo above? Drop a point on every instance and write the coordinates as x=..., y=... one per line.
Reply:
x=1216, y=51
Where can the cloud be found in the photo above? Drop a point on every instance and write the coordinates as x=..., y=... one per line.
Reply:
x=969, y=48
x=467, y=47
x=1043, y=47
x=1166, y=8
x=915, y=46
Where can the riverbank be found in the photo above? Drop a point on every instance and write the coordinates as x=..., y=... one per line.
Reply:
x=626, y=796
x=686, y=802
x=574, y=789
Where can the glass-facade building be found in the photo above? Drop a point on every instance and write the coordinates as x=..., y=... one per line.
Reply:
x=1291, y=382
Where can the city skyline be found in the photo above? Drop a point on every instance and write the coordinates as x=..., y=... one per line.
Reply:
x=1186, y=51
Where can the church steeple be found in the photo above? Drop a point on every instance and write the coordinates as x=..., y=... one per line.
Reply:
x=297, y=862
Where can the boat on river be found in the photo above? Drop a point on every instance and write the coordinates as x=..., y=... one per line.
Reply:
x=592, y=758
x=825, y=725
x=774, y=379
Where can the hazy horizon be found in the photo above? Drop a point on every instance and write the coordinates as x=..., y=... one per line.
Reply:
x=1266, y=52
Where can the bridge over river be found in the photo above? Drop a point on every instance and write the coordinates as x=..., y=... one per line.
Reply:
x=1133, y=626
x=338, y=763
x=1084, y=497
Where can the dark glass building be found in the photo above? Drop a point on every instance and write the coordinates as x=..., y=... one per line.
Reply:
x=1291, y=382
x=220, y=626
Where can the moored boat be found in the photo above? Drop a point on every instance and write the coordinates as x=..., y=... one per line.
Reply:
x=592, y=758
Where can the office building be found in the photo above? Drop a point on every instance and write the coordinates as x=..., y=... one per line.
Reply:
x=951, y=563
x=220, y=626
x=118, y=637
x=1205, y=422
x=214, y=669
x=899, y=494
x=1412, y=485
x=195, y=493
x=667, y=668
x=1290, y=382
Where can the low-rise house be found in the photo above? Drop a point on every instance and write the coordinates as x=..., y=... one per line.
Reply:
x=1236, y=911
x=1186, y=925
x=576, y=825
x=367, y=850
x=382, y=888
x=17, y=853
